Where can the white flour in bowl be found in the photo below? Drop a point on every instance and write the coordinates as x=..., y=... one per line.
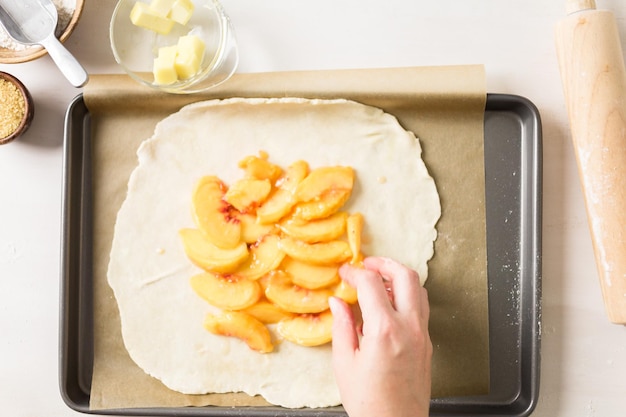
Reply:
x=65, y=10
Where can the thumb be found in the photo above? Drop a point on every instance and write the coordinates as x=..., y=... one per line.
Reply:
x=345, y=338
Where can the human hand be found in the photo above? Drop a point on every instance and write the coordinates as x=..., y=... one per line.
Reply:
x=388, y=371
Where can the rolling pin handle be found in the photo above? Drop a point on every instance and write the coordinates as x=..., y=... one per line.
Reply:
x=594, y=84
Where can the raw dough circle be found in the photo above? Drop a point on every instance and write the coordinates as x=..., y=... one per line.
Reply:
x=149, y=272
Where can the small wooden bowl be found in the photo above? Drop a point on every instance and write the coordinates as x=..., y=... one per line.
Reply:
x=29, y=108
x=10, y=56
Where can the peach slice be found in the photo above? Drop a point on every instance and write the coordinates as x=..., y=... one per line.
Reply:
x=307, y=329
x=354, y=225
x=294, y=175
x=321, y=230
x=217, y=219
x=293, y=298
x=324, y=191
x=260, y=168
x=229, y=292
x=264, y=281
x=346, y=292
x=265, y=255
x=310, y=276
x=267, y=312
x=242, y=326
x=251, y=230
x=282, y=200
x=202, y=252
x=327, y=204
x=247, y=194
x=333, y=252
x=323, y=180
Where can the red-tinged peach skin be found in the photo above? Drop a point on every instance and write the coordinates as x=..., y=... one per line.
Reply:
x=228, y=292
x=307, y=329
x=242, y=326
x=217, y=219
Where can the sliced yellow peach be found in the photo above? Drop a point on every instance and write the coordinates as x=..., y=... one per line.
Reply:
x=309, y=275
x=251, y=230
x=293, y=298
x=346, y=292
x=264, y=281
x=267, y=312
x=217, y=219
x=229, y=292
x=260, y=168
x=322, y=180
x=282, y=200
x=333, y=252
x=294, y=175
x=242, y=326
x=321, y=230
x=247, y=194
x=208, y=256
x=354, y=226
x=323, y=192
x=265, y=255
x=307, y=329
x=327, y=204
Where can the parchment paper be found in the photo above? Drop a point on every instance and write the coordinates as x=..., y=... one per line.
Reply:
x=443, y=106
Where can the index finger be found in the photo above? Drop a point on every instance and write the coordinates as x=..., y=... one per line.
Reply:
x=404, y=281
x=370, y=290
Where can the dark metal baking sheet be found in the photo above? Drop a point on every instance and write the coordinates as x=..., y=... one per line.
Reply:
x=513, y=179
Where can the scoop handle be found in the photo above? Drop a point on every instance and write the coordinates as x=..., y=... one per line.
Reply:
x=69, y=66
x=594, y=84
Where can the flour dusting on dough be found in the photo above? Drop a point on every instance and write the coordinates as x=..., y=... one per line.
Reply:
x=162, y=322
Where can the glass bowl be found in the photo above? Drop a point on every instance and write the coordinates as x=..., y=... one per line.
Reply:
x=135, y=48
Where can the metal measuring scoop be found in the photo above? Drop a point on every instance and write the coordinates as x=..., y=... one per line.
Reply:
x=34, y=22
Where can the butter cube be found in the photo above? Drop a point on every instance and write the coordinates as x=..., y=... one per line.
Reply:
x=187, y=66
x=164, y=69
x=190, y=55
x=162, y=7
x=168, y=52
x=191, y=45
x=143, y=16
x=181, y=11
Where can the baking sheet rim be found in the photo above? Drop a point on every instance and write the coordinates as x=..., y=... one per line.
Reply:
x=520, y=405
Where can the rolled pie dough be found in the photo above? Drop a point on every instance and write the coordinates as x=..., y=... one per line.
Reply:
x=149, y=273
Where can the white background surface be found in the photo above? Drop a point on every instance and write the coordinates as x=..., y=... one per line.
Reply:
x=583, y=355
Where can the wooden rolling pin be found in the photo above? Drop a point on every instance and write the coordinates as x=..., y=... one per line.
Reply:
x=594, y=83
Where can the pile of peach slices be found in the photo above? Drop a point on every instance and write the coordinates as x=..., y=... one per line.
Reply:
x=270, y=246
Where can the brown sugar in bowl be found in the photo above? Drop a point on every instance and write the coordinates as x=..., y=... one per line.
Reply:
x=10, y=56
x=16, y=108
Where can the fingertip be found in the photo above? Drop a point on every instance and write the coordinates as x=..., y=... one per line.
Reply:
x=345, y=339
x=383, y=263
x=346, y=273
x=344, y=269
x=374, y=261
x=335, y=305
x=342, y=315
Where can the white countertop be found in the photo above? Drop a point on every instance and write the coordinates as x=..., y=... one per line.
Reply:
x=583, y=371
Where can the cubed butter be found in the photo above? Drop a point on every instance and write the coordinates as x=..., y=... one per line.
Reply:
x=181, y=11
x=191, y=45
x=187, y=66
x=164, y=69
x=162, y=7
x=190, y=55
x=168, y=52
x=143, y=16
